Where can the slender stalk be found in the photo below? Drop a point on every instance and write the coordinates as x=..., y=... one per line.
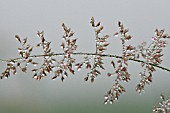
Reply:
x=81, y=53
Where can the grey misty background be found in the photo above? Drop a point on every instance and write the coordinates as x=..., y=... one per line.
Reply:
x=22, y=94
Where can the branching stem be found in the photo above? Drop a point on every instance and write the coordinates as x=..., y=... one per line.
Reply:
x=81, y=53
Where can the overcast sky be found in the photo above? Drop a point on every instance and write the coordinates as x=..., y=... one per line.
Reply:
x=26, y=17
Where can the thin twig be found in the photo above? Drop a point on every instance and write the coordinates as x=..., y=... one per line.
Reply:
x=94, y=54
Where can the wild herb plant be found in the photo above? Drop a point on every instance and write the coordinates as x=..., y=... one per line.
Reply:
x=164, y=105
x=147, y=55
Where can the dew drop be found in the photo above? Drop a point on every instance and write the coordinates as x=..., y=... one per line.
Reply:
x=78, y=69
x=12, y=62
x=35, y=77
x=116, y=35
x=106, y=97
x=105, y=102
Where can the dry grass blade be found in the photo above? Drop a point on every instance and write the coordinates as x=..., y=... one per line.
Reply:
x=149, y=57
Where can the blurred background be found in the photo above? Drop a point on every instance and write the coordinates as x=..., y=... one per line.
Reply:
x=22, y=94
